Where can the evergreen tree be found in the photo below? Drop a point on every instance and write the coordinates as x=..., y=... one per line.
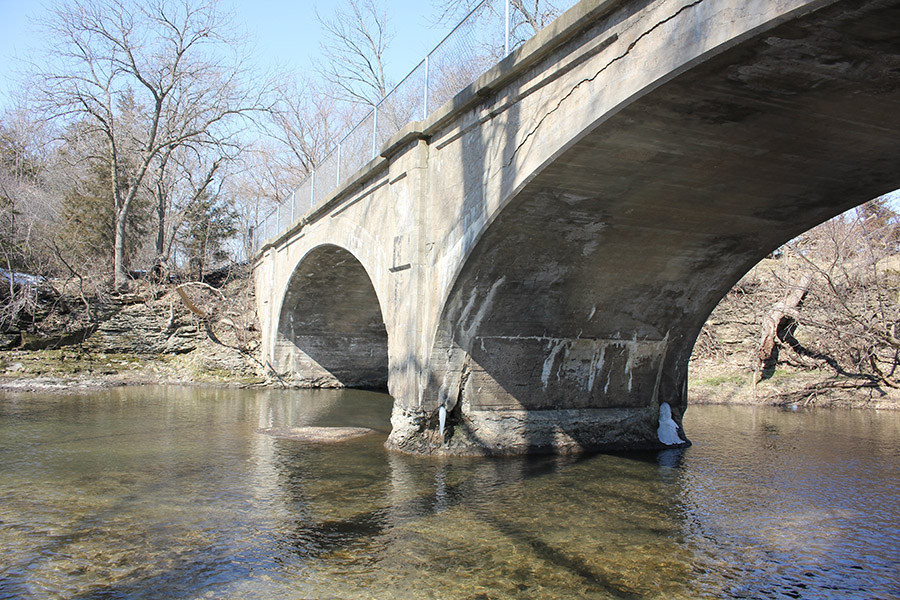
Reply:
x=210, y=224
x=19, y=172
x=89, y=218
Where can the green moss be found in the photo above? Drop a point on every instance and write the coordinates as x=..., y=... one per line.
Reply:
x=780, y=376
x=226, y=376
x=69, y=361
x=734, y=379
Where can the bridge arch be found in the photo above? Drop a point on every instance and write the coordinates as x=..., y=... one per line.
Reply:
x=331, y=331
x=586, y=290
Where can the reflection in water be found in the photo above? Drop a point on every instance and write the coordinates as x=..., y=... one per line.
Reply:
x=172, y=493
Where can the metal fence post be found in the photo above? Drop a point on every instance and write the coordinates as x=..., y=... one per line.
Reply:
x=374, y=131
x=341, y=145
x=506, y=43
x=425, y=99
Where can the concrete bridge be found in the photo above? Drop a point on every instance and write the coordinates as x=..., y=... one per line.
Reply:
x=539, y=255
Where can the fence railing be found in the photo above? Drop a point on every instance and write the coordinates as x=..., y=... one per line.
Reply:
x=485, y=36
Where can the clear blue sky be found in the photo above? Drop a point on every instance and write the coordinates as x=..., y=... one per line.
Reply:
x=283, y=32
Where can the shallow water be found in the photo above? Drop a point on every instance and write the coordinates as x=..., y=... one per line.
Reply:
x=172, y=493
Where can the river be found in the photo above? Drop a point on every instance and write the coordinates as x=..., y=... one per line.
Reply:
x=173, y=493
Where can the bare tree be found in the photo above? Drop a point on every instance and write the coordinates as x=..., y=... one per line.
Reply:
x=26, y=208
x=827, y=300
x=526, y=17
x=260, y=183
x=177, y=59
x=305, y=122
x=181, y=177
x=357, y=40
x=26, y=211
x=853, y=262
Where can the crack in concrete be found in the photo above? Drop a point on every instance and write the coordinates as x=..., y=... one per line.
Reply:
x=597, y=74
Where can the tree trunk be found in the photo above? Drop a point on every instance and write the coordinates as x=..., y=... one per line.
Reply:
x=530, y=17
x=787, y=309
x=156, y=272
x=120, y=275
x=162, y=204
x=161, y=222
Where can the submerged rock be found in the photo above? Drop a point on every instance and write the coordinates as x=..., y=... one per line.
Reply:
x=317, y=434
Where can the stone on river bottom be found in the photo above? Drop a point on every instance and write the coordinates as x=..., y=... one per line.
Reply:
x=317, y=434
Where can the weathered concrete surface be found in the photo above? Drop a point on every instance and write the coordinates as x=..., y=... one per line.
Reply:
x=544, y=250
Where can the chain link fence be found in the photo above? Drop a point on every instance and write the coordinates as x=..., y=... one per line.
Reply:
x=492, y=30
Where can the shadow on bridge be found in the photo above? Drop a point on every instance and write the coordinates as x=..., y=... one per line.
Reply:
x=331, y=331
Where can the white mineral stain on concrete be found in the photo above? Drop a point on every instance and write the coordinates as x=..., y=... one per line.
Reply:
x=555, y=346
x=596, y=365
x=468, y=326
x=629, y=362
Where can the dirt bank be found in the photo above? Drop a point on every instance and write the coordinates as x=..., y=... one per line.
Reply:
x=807, y=365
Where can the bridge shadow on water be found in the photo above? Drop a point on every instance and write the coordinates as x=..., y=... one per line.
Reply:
x=476, y=497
